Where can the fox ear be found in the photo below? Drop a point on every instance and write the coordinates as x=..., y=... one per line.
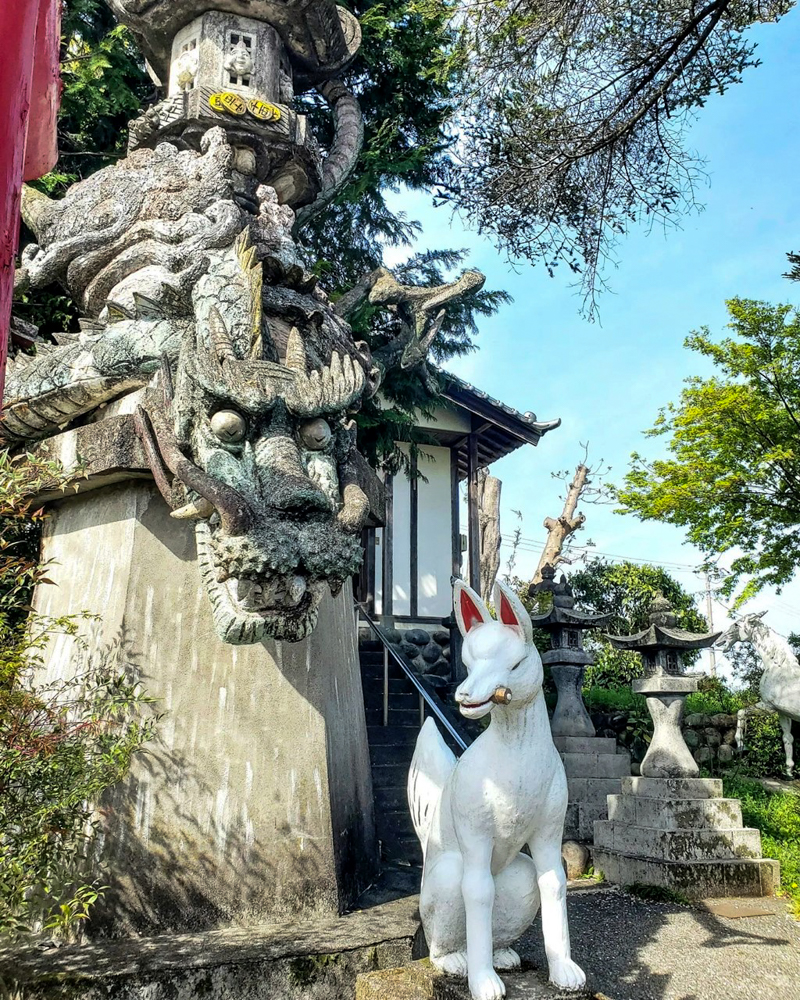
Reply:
x=511, y=611
x=469, y=608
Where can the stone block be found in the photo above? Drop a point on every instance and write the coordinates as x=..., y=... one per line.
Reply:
x=682, y=814
x=704, y=755
x=691, y=738
x=575, y=857
x=592, y=790
x=678, y=845
x=420, y=981
x=723, y=721
x=418, y=636
x=725, y=754
x=698, y=720
x=673, y=788
x=592, y=765
x=585, y=744
x=312, y=959
x=572, y=822
x=664, y=684
x=713, y=737
x=588, y=814
x=695, y=879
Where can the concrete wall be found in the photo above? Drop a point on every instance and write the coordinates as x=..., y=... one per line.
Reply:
x=256, y=802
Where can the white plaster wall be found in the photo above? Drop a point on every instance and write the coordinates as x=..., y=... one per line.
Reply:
x=435, y=545
x=401, y=561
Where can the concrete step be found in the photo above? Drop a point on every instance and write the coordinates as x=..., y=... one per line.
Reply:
x=585, y=744
x=684, y=814
x=398, y=700
x=405, y=848
x=388, y=754
x=695, y=879
x=596, y=765
x=390, y=775
x=677, y=845
x=673, y=788
x=592, y=790
x=390, y=798
x=392, y=735
x=580, y=819
x=397, y=717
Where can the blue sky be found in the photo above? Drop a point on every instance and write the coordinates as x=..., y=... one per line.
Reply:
x=606, y=380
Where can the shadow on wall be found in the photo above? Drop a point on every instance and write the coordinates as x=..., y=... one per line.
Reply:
x=172, y=850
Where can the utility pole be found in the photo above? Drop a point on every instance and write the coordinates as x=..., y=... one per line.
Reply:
x=712, y=655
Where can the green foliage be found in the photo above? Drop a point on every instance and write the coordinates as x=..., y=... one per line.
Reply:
x=763, y=755
x=732, y=478
x=625, y=591
x=61, y=744
x=777, y=816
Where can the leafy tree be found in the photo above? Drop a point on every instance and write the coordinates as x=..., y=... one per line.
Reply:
x=574, y=117
x=732, y=475
x=625, y=590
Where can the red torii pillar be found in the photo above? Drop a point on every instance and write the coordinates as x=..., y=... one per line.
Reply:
x=30, y=88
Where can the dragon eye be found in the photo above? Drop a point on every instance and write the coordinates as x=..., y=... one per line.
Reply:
x=229, y=426
x=315, y=434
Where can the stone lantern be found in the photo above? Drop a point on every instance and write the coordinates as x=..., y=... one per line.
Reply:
x=662, y=646
x=668, y=827
x=566, y=657
x=593, y=764
x=238, y=64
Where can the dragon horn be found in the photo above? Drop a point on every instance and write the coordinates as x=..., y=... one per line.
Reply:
x=296, y=352
x=220, y=337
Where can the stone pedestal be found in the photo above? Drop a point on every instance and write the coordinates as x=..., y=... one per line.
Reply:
x=594, y=768
x=570, y=717
x=593, y=765
x=681, y=834
x=255, y=802
x=420, y=981
x=667, y=756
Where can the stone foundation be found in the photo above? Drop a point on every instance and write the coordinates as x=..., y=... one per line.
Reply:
x=420, y=981
x=300, y=960
x=594, y=768
x=255, y=802
x=681, y=834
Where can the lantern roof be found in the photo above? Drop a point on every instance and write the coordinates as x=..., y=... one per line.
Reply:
x=320, y=37
x=663, y=633
x=563, y=612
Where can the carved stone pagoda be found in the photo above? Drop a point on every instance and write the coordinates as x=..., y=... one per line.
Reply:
x=668, y=826
x=594, y=765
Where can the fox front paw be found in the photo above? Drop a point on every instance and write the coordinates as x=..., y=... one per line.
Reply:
x=486, y=985
x=567, y=974
x=506, y=958
x=454, y=963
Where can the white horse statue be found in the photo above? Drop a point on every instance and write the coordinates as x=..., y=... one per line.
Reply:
x=780, y=683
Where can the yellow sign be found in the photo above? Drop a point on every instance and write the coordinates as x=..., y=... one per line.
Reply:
x=226, y=101
x=261, y=109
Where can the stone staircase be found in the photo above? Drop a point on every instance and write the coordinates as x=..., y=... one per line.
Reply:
x=391, y=748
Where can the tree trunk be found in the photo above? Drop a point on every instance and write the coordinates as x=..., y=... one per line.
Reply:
x=559, y=529
x=489, y=516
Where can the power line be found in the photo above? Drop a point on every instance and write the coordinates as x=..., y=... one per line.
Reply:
x=531, y=545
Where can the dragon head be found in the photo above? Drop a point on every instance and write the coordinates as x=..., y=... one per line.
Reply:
x=264, y=455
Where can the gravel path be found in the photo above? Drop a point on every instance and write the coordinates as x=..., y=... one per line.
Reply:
x=637, y=950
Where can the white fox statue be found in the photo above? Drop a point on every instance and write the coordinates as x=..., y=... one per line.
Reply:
x=474, y=815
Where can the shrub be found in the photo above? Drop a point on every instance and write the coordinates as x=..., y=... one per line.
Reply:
x=61, y=744
x=777, y=816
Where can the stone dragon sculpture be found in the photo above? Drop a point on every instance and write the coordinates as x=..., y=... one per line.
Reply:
x=248, y=376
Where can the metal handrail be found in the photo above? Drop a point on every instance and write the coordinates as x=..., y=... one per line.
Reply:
x=425, y=696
